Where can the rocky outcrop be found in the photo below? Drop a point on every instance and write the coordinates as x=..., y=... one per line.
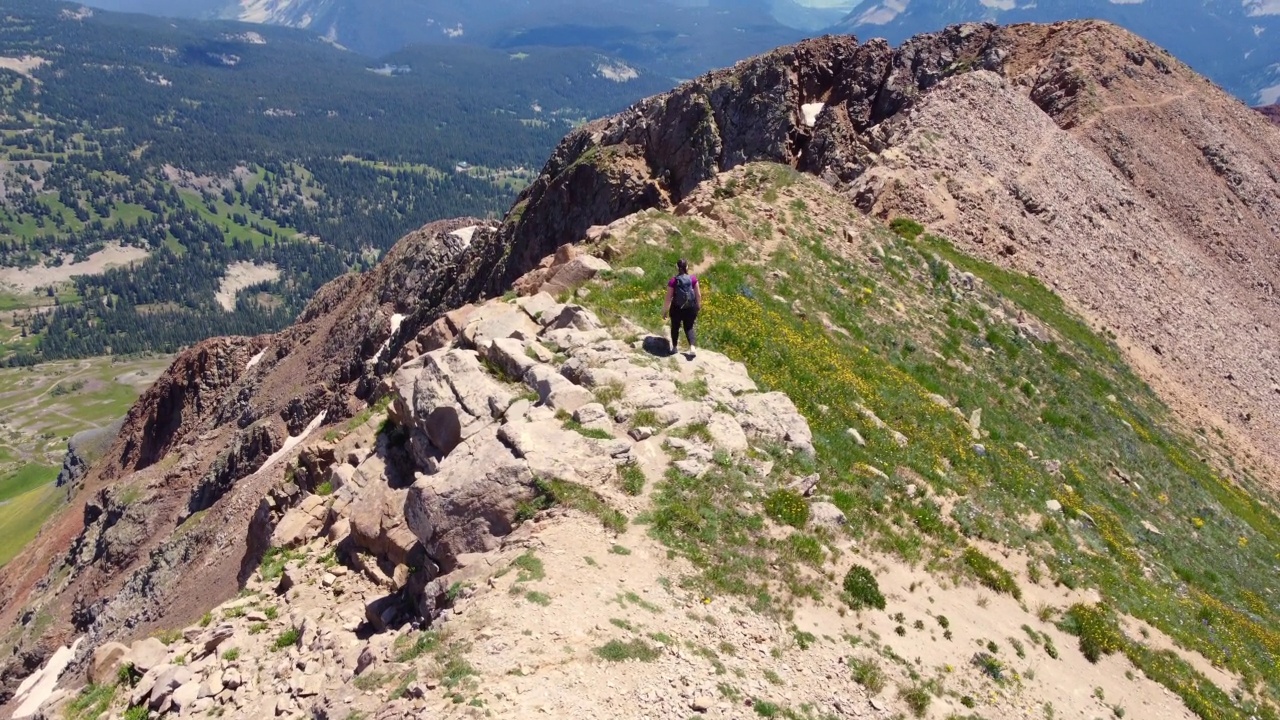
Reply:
x=83, y=450
x=1272, y=112
x=1055, y=149
x=388, y=525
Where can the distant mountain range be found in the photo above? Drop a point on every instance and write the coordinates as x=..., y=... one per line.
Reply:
x=1234, y=42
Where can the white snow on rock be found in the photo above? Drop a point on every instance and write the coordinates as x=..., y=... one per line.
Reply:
x=396, y=319
x=293, y=441
x=811, y=112
x=41, y=684
x=256, y=359
x=460, y=239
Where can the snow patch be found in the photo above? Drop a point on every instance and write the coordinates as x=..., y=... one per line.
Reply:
x=41, y=684
x=80, y=13
x=1256, y=8
x=618, y=72
x=249, y=38
x=256, y=359
x=883, y=13
x=811, y=112
x=396, y=321
x=459, y=239
x=293, y=441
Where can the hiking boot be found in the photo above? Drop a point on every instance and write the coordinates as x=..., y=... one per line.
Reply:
x=691, y=354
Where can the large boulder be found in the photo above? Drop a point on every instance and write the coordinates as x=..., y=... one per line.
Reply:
x=470, y=502
x=378, y=524
x=573, y=274
x=107, y=660
x=146, y=654
x=772, y=416
x=446, y=396
x=498, y=320
x=551, y=451
x=555, y=390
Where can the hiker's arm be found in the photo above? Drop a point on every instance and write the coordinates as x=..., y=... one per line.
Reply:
x=697, y=295
x=666, y=304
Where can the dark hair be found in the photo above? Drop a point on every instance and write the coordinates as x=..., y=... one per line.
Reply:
x=683, y=265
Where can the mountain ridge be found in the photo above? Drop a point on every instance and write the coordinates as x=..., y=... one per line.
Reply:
x=834, y=108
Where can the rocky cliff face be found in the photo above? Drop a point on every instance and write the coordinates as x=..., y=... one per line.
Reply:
x=1076, y=152
x=1271, y=111
x=161, y=526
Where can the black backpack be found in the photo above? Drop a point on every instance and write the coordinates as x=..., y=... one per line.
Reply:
x=683, y=296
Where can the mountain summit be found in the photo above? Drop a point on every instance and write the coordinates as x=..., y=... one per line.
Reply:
x=1054, y=430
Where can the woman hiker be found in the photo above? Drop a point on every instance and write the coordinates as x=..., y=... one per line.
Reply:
x=684, y=299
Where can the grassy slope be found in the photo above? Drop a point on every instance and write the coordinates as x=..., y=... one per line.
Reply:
x=1204, y=579
x=38, y=421
x=22, y=516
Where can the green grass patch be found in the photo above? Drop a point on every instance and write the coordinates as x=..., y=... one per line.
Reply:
x=530, y=566
x=27, y=478
x=620, y=650
x=1097, y=629
x=990, y=573
x=412, y=646
x=22, y=517
x=787, y=507
x=92, y=701
x=632, y=477
x=558, y=492
x=288, y=638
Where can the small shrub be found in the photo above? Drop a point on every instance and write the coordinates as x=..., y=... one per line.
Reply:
x=169, y=637
x=767, y=709
x=538, y=598
x=206, y=619
x=861, y=589
x=287, y=638
x=787, y=507
x=619, y=550
x=990, y=666
x=231, y=655
x=906, y=227
x=990, y=574
x=138, y=712
x=917, y=698
x=324, y=489
x=127, y=675
x=868, y=674
x=271, y=612
x=618, y=651
x=1096, y=629
x=530, y=567
x=632, y=478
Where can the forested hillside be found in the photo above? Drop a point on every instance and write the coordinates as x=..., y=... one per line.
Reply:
x=186, y=148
